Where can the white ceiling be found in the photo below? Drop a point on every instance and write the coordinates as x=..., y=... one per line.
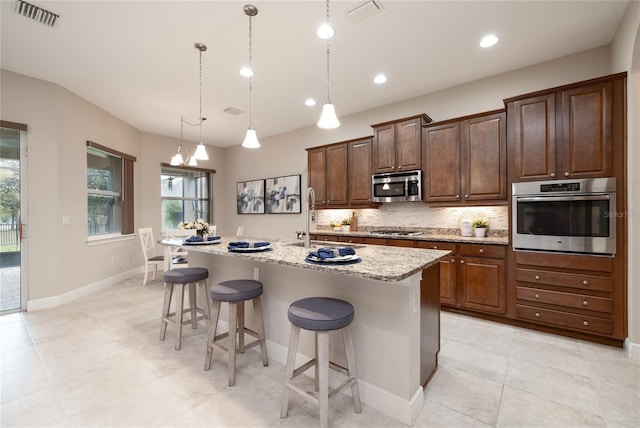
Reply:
x=136, y=60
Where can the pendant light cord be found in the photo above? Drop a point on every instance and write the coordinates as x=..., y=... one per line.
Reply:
x=200, y=118
x=328, y=79
x=251, y=76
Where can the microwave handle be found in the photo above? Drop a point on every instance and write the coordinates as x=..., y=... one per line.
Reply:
x=564, y=198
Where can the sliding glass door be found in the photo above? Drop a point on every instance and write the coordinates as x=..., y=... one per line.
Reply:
x=12, y=211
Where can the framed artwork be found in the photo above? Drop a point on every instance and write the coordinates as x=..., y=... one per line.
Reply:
x=250, y=197
x=283, y=195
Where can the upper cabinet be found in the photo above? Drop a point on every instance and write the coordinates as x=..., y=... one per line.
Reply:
x=565, y=132
x=464, y=159
x=340, y=173
x=397, y=144
x=359, y=171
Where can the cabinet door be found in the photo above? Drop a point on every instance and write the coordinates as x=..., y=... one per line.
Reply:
x=483, y=145
x=483, y=284
x=408, y=150
x=587, y=120
x=359, y=154
x=448, y=267
x=317, y=167
x=337, y=175
x=384, y=149
x=441, y=152
x=534, y=124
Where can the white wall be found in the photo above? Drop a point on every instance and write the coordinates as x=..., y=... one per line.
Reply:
x=625, y=56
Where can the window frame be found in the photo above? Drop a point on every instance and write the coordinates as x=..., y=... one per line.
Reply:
x=210, y=199
x=126, y=192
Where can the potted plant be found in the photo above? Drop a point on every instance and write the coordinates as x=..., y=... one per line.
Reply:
x=346, y=224
x=335, y=227
x=480, y=226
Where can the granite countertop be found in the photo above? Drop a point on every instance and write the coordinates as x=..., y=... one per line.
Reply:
x=381, y=263
x=424, y=236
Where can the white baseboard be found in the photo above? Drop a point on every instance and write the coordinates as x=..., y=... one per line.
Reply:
x=633, y=349
x=51, y=302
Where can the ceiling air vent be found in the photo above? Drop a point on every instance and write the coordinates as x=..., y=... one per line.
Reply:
x=36, y=13
x=232, y=110
x=364, y=10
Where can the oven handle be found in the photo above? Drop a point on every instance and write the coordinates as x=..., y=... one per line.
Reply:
x=564, y=198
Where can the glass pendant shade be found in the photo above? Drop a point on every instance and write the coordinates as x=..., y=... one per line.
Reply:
x=251, y=140
x=328, y=119
x=201, y=152
x=177, y=160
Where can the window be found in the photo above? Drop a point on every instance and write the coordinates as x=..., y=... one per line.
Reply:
x=109, y=191
x=185, y=194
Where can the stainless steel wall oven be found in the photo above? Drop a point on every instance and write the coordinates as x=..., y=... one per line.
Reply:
x=570, y=216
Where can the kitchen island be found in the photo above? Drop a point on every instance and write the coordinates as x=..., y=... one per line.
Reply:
x=395, y=293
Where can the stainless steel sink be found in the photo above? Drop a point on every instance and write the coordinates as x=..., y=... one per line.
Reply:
x=325, y=244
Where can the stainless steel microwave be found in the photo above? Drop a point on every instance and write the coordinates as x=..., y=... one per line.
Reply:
x=572, y=216
x=397, y=186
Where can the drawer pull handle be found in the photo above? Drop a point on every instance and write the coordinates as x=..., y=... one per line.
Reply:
x=481, y=251
x=585, y=282
x=435, y=247
x=537, y=314
x=461, y=261
x=453, y=260
x=585, y=323
x=585, y=302
x=553, y=174
x=537, y=277
x=537, y=296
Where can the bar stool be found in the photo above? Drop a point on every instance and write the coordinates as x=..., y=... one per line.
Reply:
x=320, y=315
x=179, y=278
x=235, y=293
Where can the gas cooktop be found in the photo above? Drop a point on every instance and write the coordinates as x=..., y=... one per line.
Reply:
x=396, y=232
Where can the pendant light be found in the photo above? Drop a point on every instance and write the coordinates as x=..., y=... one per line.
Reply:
x=251, y=139
x=328, y=119
x=201, y=151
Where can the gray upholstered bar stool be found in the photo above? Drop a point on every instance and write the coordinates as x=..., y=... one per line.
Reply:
x=178, y=278
x=320, y=315
x=235, y=293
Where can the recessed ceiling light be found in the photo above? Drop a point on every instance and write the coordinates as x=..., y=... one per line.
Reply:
x=310, y=102
x=246, y=72
x=489, y=40
x=325, y=31
x=380, y=79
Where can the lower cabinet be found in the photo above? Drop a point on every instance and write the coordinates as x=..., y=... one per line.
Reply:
x=571, y=292
x=473, y=277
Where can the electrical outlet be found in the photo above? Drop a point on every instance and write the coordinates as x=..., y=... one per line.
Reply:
x=256, y=273
x=313, y=217
x=415, y=302
x=113, y=259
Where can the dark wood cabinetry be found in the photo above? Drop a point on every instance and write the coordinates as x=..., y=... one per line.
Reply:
x=397, y=144
x=572, y=292
x=359, y=171
x=473, y=277
x=566, y=132
x=465, y=159
x=340, y=174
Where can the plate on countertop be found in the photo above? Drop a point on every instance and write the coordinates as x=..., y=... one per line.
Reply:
x=339, y=259
x=251, y=249
x=215, y=241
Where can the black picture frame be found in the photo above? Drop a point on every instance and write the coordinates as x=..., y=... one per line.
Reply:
x=283, y=195
x=250, y=197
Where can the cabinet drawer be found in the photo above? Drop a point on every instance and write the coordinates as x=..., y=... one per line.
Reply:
x=566, y=261
x=582, y=282
x=437, y=245
x=479, y=250
x=326, y=237
x=351, y=239
x=401, y=243
x=565, y=319
x=375, y=241
x=580, y=301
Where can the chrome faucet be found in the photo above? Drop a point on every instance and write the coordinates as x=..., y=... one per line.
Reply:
x=311, y=200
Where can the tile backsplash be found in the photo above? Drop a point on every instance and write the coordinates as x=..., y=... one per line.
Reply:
x=419, y=216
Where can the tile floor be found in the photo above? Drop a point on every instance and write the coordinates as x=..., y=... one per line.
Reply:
x=97, y=362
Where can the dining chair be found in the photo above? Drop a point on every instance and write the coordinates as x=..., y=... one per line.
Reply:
x=175, y=255
x=148, y=244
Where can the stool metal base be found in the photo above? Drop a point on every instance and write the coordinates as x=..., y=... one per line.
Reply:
x=322, y=365
x=176, y=317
